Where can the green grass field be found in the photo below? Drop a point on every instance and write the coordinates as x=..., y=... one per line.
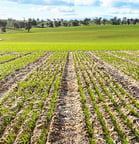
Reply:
x=108, y=37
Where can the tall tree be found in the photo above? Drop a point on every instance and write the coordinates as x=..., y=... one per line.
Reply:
x=65, y=23
x=28, y=26
x=49, y=23
x=86, y=21
x=34, y=22
x=104, y=21
x=97, y=21
x=115, y=21
x=128, y=21
x=3, y=24
x=124, y=20
x=30, y=20
x=75, y=23
x=21, y=24
x=16, y=25
x=42, y=25
x=135, y=21
x=57, y=22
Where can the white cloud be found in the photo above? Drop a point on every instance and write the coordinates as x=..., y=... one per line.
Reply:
x=43, y=8
x=133, y=1
x=81, y=9
x=48, y=1
x=80, y=2
x=111, y=3
x=123, y=11
x=107, y=3
x=54, y=9
x=62, y=9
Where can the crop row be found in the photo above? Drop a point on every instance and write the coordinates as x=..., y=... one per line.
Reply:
x=11, y=56
x=135, y=52
x=108, y=103
x=30, y=102
x=12, y=66
x=2, y=52
x=111, y=113
x=110, y=80
x=128, y=56
x=125, y=66
x=22, y=91
x=22, y=85
x=126, y=103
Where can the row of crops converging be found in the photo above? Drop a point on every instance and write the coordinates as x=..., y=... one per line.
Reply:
x=110, y=110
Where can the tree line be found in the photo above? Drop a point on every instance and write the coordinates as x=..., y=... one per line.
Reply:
x=27, y=24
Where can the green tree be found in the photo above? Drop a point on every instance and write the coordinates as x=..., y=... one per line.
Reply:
x=97, y=21
x=115, y=21
x=16, y=25
x=65, y=23
x=49, y=23
x=75, y=23
x=124, y=20
x=21, y=24
x=28, y=26
x=42, y=25
x=135, y=21
x=86, y=21
x=128, y=21
x=3, y=24
x=104, y=21
x=57, y=23
x=34, y=22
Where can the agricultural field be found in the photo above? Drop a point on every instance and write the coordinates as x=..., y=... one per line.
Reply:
x=71, y=97
x=127, y=63
x=82, y=38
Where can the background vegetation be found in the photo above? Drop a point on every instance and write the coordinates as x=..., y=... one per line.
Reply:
x=90, y=36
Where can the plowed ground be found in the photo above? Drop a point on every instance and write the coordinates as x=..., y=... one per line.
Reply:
x=69, y=98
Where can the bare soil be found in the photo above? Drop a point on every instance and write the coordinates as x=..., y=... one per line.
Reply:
x=7, y=84
x=127, y=82
x=15, y=58
x=68, y=124
x=131, y=53
x=136, y=63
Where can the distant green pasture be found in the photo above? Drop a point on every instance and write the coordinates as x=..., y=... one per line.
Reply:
x=108, y=37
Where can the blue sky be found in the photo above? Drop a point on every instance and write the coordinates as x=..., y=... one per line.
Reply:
x=68, y=9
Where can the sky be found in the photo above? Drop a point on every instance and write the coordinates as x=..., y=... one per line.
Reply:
x=68, y=9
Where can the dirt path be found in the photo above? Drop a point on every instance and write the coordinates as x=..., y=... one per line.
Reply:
x=68, y=124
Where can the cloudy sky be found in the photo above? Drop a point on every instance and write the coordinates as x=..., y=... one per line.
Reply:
x=68, y=9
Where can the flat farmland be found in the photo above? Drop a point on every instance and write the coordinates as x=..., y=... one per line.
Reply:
x=79, y=97
x=82, y=38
